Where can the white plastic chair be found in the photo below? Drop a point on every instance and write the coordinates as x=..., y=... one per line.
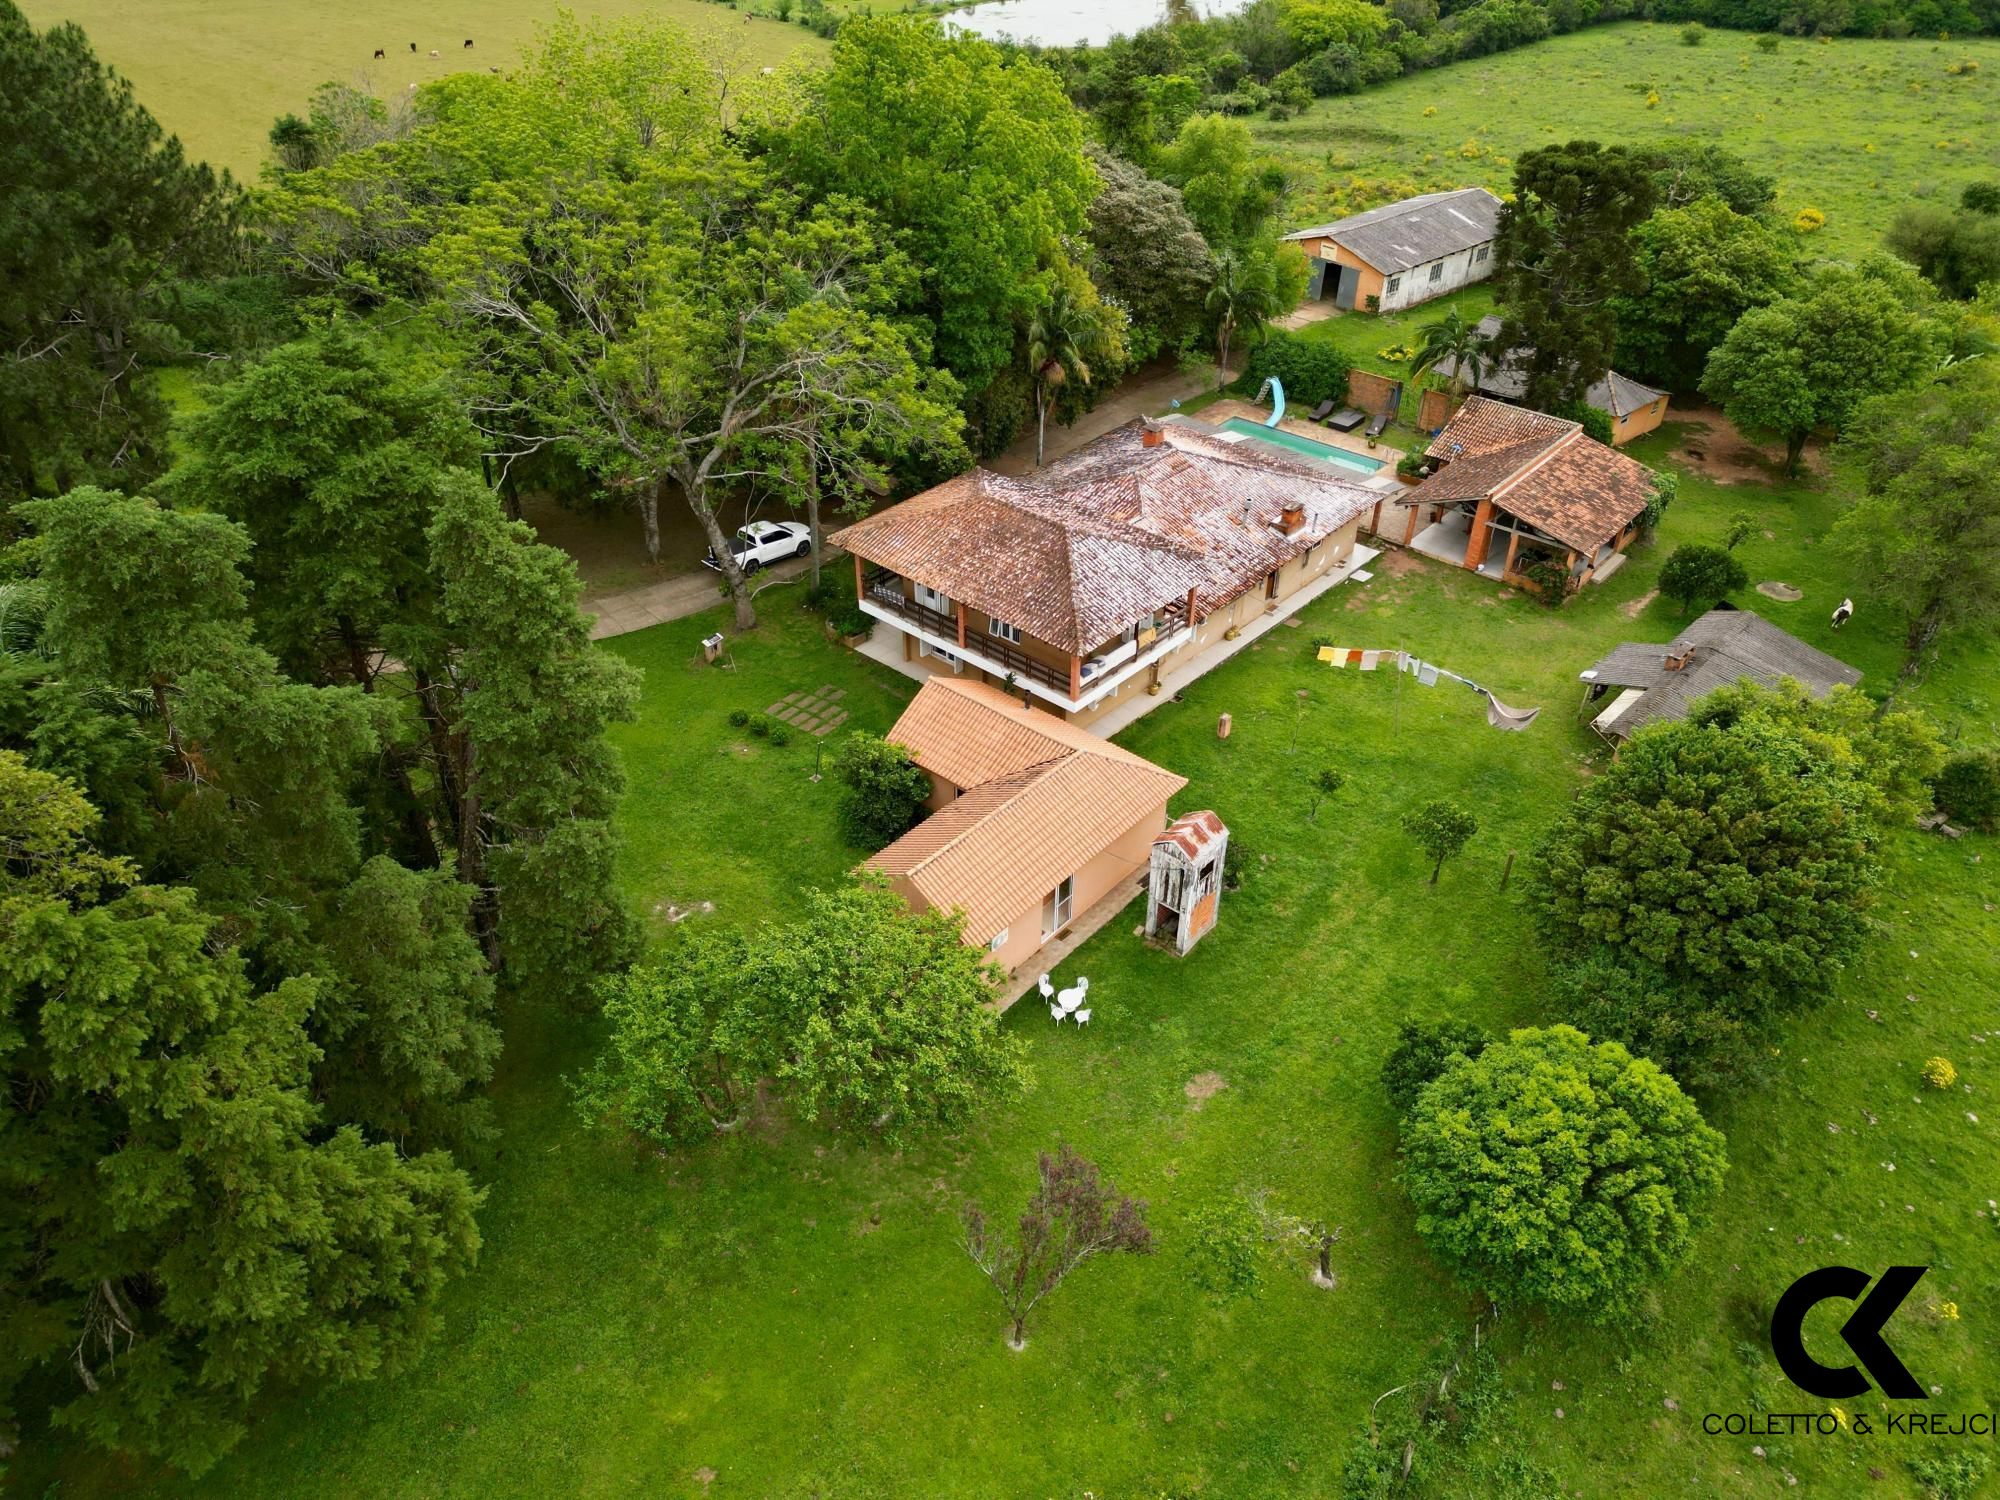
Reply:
x=1083, y=1018
x=1048, y=990
x=1056, y=1013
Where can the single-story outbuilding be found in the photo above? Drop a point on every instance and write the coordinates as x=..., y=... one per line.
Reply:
x=1519, y=490
x=1657, y=683
x=1634, y=409
x=1034, y=819
x=1403, y=253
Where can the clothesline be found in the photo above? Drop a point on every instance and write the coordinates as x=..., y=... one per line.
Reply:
x=1427, y=673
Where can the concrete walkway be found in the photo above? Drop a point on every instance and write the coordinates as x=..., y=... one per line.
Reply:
x=677, y=598
x=1079, y=932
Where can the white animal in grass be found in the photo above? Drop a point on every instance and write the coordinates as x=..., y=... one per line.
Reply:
x=1843, y=614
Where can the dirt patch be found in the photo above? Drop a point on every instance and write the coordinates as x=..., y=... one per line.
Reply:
x=1203, y=1087
x=1712, y=446
x=1396, y=562
x=1637, y=607
x=1784, y=592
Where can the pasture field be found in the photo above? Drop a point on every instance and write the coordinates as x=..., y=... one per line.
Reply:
x=218, y=72
x=788, y=1313
x=1852, y=127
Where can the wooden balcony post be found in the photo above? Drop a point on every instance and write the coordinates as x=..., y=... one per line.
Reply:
x=1075, y=678
x=961, y=624
x=860, y=592
x=1190, y=608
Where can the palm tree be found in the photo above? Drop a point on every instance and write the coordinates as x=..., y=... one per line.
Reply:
x=1241, y=298
x=1452, y=339
x=1058, y=337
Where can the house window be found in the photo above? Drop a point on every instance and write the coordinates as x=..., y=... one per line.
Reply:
x=1479, y=255
x=1437, y=272
x=998, y=942
x=949, y=658
x=1056, y=907
x=1390, y=289
x=1002, y=630
x=932, y=599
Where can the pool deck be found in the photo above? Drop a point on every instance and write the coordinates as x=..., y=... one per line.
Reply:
x=1221, y=411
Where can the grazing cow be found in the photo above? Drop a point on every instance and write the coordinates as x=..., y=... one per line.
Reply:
x=468, y=44
x=413, y=46
x=434, y=52
x=1843, y=614
x=379, y=53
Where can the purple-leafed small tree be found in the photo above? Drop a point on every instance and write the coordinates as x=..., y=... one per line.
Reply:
x=1073, y=1215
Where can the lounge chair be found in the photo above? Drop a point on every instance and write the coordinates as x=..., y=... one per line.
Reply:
x=1320, y=411
x=1346, y=419
x=1377, y=427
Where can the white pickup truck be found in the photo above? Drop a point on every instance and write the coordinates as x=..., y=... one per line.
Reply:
x=764, y=542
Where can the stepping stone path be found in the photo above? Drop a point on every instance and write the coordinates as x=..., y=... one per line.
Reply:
x=817, y=712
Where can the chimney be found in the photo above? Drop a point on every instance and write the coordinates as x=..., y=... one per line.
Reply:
x=1292, y=517
x=1677, y=660
x=1153, y=436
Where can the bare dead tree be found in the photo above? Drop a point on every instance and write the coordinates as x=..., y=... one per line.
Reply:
x=1073, y=1215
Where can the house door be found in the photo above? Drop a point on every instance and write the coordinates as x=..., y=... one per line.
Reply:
x=1056, y=907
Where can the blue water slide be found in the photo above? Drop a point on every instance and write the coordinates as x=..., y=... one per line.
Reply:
x=1277, y=389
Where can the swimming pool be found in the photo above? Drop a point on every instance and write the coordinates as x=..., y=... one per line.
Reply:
x=1277, y=437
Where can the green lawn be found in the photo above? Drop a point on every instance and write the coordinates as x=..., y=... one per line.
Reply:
x=1850, y=127
x=791, y=1311
x=218, y=72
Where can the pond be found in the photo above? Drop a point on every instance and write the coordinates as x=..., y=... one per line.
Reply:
x=1073, y=23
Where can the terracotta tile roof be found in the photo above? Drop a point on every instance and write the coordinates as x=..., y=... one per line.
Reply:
x=1109, y=533
x=1539, y=468
x=1483, y=425
x=1052, y=798
x=970, y=733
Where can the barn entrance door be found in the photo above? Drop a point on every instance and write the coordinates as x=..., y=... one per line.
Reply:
x=1343, y=294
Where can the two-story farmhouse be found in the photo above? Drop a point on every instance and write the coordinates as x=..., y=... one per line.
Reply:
x=1518, y=491
x=1089, y=582
x=1403, y=253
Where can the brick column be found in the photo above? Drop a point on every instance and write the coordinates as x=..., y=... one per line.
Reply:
x=1481, y=537
x=961, y=624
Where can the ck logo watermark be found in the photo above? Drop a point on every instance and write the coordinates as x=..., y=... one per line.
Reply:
x=1862, y=1332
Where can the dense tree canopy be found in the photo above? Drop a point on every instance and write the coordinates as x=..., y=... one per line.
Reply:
x=178, y=1225
x=1927, y=524
x=1562, y=254
x=100, y=215
x=1701, y=267
x=974, y=156
x=862, y=1013
x=1551, y=1170
x=1732, y=850
x=1808, y=361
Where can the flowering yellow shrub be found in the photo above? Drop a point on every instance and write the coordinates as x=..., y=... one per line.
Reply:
x=1395, y=354
x=1653, y=99
x=1429, y=110
x=1939, y=1073
x=1809, y=221
x=1948, y=1311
